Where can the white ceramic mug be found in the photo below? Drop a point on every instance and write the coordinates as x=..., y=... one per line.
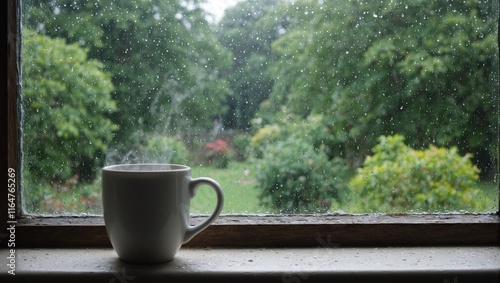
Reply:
x=146, y=209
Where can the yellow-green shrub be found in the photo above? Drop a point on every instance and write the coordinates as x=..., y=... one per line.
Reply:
x=397, y=178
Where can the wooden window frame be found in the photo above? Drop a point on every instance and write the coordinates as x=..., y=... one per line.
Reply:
x=234, y=231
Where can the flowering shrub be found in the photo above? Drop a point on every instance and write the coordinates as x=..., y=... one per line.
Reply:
x=218, y=153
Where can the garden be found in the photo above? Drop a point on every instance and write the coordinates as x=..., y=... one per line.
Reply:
x=276, y=101
x=263, y=180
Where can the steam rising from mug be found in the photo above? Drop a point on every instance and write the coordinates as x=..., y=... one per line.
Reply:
x=146, y=167
x=133, y=156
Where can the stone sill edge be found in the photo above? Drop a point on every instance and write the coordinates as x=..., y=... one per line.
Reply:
x=437, y=264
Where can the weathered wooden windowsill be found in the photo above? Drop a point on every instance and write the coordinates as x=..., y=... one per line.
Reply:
x=432, y=264
x=292, y=231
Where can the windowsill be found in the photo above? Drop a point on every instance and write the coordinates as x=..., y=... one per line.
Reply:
x=437, y=264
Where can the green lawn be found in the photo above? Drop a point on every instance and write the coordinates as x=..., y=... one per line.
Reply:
x=240, y=193
x=490, y=195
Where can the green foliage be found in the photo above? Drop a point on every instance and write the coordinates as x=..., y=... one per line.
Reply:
x=241, y=144
x=240, y=192
x=263, y=137
x=315, y=129
x=245, y=31
x=162, y=149
x=67, y=197
x=299, y=179
x=426, y=69
x=330, y=77
x=398, y=178
x=294, y=171
x=66, y=103
x=164, y=59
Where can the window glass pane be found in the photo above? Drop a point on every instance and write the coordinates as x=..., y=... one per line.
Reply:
x=304, y=106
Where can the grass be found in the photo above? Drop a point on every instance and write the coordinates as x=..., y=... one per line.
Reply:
x=490, y=195
x=240, y=192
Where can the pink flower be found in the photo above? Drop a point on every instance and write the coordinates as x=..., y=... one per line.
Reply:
x=218, y=145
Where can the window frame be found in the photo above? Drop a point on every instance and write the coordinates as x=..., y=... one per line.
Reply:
x=235, y=230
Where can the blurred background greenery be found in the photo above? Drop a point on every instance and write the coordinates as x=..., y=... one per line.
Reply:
x=303, y=106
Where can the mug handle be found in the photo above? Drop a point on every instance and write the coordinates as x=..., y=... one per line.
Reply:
x=191, y=231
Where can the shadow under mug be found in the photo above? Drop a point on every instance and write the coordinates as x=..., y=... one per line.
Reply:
x=146, y=209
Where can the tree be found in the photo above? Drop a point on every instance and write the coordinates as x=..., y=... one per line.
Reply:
x=162, y=55
x=66, y=106
x=247, y=32
x=424, y=69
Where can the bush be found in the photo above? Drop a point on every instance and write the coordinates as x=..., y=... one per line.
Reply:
x=298, y=179
x=241, y=143
x=314, y=130
x=161, y=149
x=294, y=170
x=66, y=106
x=400, y=179
x=218, y=153
x=264, y=136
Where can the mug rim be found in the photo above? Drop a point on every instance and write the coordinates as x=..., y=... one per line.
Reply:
x=129, y=168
